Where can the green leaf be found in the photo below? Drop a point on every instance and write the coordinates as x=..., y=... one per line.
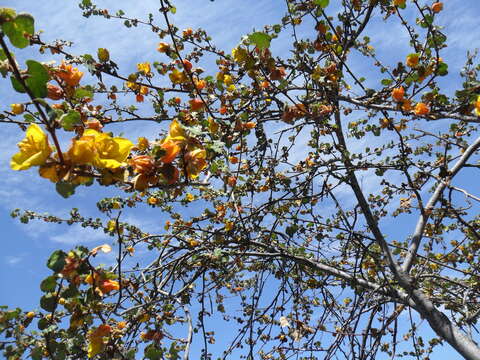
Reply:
x=36, y=354
x=173, y=352
x=83, y=92
x=442, y=69
x=291, y=230
x=17, y=86
x=29, y=118
x=56, y=261
x=131, y=354
x=260, y=40
x=386, y=82
x=322, y=3
x=12, y=314
x=70, y=292
x=65, y=189
x=19, y=30
x=153, y=353
x=48, y=302
x=70, y=119
x=428, y=20
x=2, y=55
x=36, y=80
x=42, y=324
x=49, y=284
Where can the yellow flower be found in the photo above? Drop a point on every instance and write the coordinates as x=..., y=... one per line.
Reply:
x=477, y=106
x=163, y=47
x=100, y=150
x=212, y=125
x=228, y=225
x=227, y=80
x=240, y=55
x=176, y=132
x=142, y=143
x=121, y=325
x=178, y=77
x=34, y=149
x=111, y=226
x=82, y=150
x=143, y=90
x=421, y=109
x=145, y=68
x=412, y=60
x=96, y=339
x=195, y=162
x=132, y=85
x=70, y=75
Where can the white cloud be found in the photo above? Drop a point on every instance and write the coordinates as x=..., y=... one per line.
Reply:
x=13, y=260
x=77, y=235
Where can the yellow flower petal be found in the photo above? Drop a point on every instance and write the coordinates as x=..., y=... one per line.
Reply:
x=176, y=132
x=34, y=149
x=82, y=150
x=100, y=150
x=196, y=162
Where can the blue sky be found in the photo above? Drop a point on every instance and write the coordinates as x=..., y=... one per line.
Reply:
x=26, y=247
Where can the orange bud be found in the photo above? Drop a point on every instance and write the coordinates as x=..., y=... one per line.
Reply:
x=277, y=73
x=200, y=84
x=187, y=32
x=187, y=65
x=398, y=94
x=54, y=92
x=94, y=124
x=232, y=181
x=407, y=105
x=264, y=84
x=17, y=109
x=109, y=285
x=196, y=104
x=249, y=125
x=421, y=109
x=437, y=7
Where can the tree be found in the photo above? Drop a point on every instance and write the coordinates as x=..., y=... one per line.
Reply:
x=320, y=209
